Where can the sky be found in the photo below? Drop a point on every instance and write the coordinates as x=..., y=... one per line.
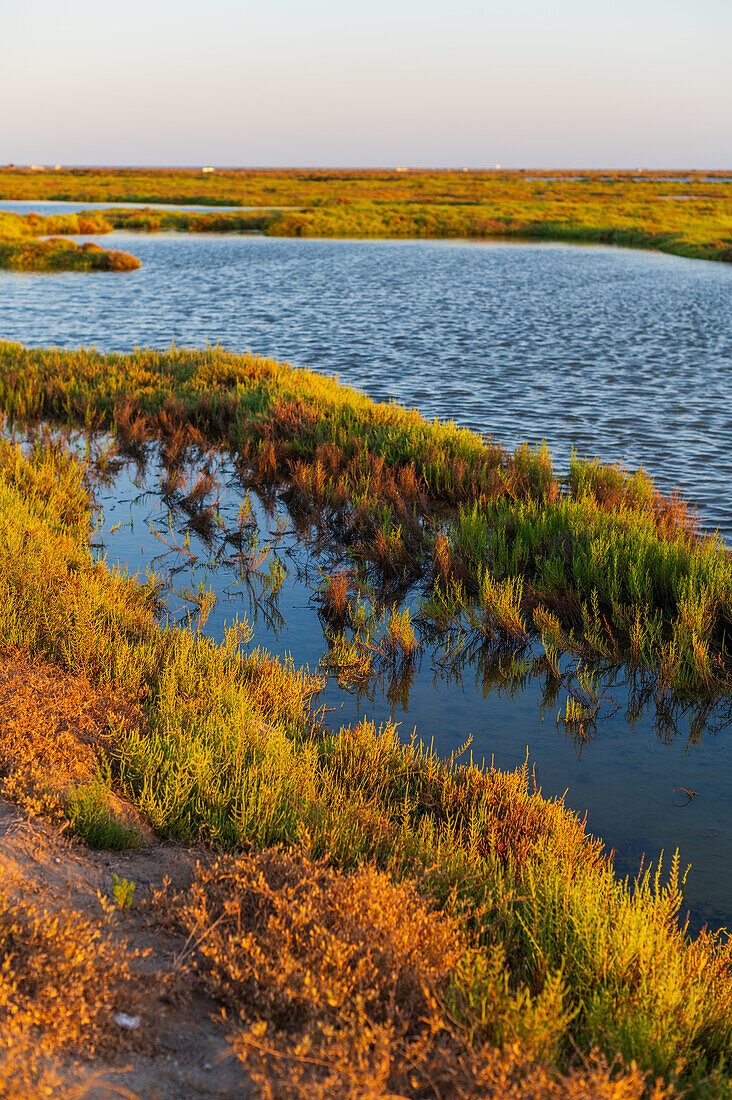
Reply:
x=459, y=83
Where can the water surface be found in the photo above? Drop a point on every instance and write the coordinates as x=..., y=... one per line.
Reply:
x=624, y=354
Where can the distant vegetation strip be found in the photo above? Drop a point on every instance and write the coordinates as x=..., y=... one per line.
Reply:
x=313, y=186
x=550, y=956
x=604, y=567
x=687, y=214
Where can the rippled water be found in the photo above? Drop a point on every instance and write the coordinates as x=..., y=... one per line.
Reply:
x=624, y=354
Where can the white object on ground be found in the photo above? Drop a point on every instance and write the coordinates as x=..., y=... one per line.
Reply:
x=123, y=1020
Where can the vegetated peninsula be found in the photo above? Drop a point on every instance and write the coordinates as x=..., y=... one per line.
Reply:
x=686, y=214
x=609, y=567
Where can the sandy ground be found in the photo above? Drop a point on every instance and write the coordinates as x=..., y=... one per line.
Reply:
x=181, y=1045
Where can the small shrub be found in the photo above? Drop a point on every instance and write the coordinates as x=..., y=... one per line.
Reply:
x=94, y=821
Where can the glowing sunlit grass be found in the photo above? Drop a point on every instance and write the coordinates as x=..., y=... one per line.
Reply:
x=21, y=251
x=622, y=568
x=560, y=956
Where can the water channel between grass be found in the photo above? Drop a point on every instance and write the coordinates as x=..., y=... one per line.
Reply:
x=647, y=781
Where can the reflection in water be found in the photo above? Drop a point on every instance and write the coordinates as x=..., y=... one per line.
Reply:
x=648, y=768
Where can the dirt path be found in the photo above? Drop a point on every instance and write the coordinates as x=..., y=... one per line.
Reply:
x=180, y=1049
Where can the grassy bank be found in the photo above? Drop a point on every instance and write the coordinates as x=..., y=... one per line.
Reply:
x=687, y=214
x=539, y=950
x=61, y=255
x=20, y=249
x=683, y=230
x=602, y=567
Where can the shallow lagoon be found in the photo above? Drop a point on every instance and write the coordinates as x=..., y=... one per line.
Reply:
x=624, y=354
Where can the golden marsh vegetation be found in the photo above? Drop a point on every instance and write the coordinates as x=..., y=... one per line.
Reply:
x=519, y=964
x=687, y=214
x=27, y=244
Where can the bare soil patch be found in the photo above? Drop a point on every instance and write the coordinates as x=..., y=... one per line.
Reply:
x=179, y=1048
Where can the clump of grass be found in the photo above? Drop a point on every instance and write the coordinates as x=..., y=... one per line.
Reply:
x=93, y=820
x=400, y=639
x=663, y=599
x=577, y=718
x=58, y=987
x=387, y=548
x=353, y=985
x=348, y=660
x=613, y=489
x=297, y=942
x=62, y=255
x=459, y=549
x=500, y=604
x=55, y=732
x=334, y=596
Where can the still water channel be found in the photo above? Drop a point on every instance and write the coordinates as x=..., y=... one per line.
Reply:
x=623, y=354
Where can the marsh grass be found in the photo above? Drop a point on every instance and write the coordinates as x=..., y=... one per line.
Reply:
x=349, y=660
x=58, y=986
x=353, y=986
x=626, y=583
x=25, y=253
x=334, y=598
x=370, y=636
x=56, y=730
x=562, y=957
x=400, y=639
x=623, y=570
x=619, y=208
x=90, y=818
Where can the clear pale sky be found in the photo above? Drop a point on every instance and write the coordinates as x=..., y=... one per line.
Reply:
x=523, y=83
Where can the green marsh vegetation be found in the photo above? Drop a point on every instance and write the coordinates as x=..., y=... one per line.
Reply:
x=687, y=214
x=22, y=250
x=60, y=255
x=552, y=960
x=601, y=568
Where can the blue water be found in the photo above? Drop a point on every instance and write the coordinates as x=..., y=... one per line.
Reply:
x=624, y=354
